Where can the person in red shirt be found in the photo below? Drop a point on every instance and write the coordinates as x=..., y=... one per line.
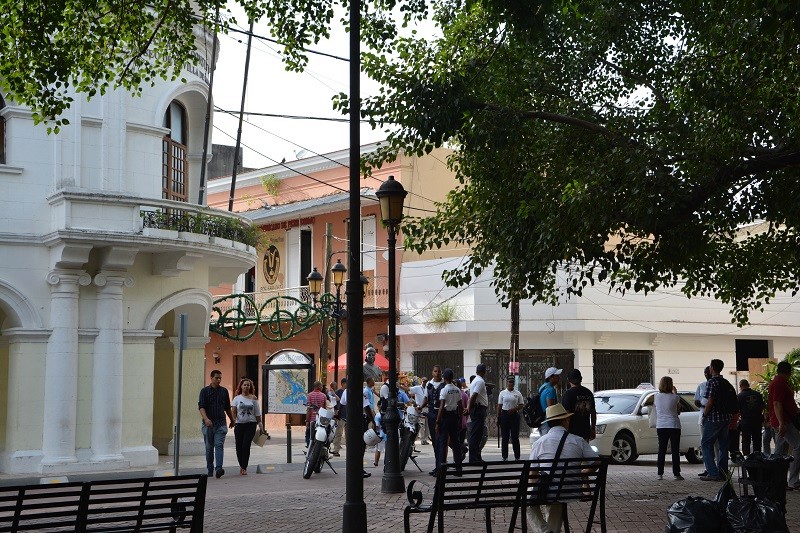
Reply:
x=782, y=416
x=316, y=398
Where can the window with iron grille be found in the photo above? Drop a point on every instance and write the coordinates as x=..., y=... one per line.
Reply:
x=622, y=369
x=174, y=167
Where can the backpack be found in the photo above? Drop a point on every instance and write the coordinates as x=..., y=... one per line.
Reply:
x=433, y=397
x=532, y=412
x=725, y=401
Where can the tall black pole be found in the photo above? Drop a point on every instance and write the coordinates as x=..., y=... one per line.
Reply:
x=354, y=512
x=392, y=477
x=241, y=116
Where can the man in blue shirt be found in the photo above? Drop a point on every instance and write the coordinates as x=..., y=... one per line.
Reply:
x=548, y=395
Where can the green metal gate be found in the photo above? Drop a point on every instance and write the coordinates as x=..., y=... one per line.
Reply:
x=424, y=361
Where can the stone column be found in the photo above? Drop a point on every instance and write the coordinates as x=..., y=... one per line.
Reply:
x=107, y=367
x=61, y=367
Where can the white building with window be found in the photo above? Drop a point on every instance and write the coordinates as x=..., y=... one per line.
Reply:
x=102, y=247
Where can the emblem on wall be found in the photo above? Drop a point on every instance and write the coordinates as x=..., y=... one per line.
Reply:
x=272, y=264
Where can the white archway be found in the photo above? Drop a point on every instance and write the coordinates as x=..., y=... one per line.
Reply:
x=19, y=310
x=194, y=302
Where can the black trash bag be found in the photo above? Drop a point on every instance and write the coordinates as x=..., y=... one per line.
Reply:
x=725, y=494
x=696, y=515
x=756, y=515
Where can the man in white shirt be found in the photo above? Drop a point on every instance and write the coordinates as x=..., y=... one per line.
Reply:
x=418, y=395
x=476, y=409
x=546, y=447
x=367, y=410
x=701, y=401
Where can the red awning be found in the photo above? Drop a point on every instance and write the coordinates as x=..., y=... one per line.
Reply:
x=380, y=360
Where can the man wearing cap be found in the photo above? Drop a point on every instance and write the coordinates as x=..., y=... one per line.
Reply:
x=558, y=419
x=548, y=395
x=579, y=401
x=476, y=409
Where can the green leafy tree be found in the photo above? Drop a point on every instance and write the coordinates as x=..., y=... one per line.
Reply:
x=771, y=369
x=642, y=144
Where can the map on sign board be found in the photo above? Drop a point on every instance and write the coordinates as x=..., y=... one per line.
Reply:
x=287, y=390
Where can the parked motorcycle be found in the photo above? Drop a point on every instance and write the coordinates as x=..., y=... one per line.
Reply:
x=408, y=435
x=321, y=439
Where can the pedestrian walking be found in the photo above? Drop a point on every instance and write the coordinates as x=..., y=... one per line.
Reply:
x=715, y=425
x=783, y=416
x=668, y=426
x=580, y=402
x=214, y=403
x=476, y=409
x=751, y=410
x=247, y=412
x=509, y=403
x=448, y=420
x=548, y=394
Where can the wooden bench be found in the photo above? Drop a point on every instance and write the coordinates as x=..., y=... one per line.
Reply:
x=511, y=484
x=120, y=505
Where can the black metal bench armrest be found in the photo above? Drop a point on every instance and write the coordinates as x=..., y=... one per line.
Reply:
x=415, y=498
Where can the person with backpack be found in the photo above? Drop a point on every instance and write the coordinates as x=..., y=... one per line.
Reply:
x=720, y=406
x=751, y=408
x=432, y=391
x=548, y=395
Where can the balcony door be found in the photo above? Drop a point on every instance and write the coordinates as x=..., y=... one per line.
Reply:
x=174, y=167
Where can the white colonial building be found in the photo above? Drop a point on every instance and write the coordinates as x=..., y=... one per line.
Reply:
x=102, y=247
x=616, y=341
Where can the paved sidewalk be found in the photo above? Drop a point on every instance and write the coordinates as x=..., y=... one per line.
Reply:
x=280, y=500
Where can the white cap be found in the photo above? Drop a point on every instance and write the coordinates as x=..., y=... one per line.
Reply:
x=551, y=371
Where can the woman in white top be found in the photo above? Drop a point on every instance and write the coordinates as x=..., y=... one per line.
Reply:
x=668, y=426
x=247, y=412
x=509, y=403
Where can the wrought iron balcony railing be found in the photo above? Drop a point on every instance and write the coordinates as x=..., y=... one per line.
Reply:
x=201, y=223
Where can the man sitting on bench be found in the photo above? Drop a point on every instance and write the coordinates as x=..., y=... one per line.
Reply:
x=557, y=443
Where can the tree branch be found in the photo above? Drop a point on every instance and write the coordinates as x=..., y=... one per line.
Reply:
x=143, y=50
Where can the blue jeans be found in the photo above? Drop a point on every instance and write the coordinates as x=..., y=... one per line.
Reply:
x=214, y=438
x=715, y=432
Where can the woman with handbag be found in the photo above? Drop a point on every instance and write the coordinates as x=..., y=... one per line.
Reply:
x=668, y=426
x=247, y=413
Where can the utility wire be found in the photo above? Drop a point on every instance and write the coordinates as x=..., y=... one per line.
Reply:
x=296, y=117
x=271, y=40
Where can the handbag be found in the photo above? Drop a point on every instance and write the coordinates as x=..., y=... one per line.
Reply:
x=652, y=416
x=260, y=439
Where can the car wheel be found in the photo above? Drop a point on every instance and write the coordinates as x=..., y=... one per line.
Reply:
x=694, y=456
x=623, y=449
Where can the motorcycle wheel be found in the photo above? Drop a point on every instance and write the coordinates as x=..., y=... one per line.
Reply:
x=406, y=449
x=319, y=463
x=312, y=458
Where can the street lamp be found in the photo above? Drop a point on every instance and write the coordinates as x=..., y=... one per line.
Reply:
x=338, y=271
x=332, y=306
x=391, y=195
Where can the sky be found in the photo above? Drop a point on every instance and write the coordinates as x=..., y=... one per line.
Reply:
x=271, y=89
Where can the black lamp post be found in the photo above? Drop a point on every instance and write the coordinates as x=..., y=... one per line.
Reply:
x=391, y=195
x=338, y=271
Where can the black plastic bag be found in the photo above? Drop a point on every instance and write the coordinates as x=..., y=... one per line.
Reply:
x=756, y=515
x=725, y=494
x=696, y=515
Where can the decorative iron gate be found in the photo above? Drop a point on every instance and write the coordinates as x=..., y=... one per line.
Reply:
x=424, y=361
x=622, y=369
x=532, y=364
